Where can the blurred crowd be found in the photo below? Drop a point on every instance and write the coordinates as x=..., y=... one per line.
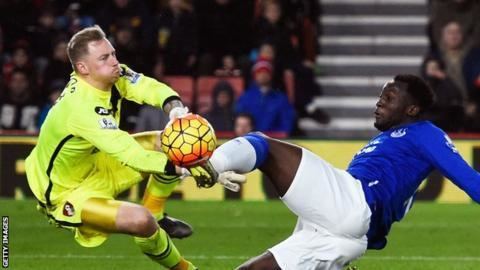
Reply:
x=270, y=44
x=452, y=65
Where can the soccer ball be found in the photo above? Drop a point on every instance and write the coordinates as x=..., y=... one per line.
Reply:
x=188, y=140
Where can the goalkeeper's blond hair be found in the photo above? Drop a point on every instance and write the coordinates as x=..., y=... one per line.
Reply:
x=78, y=45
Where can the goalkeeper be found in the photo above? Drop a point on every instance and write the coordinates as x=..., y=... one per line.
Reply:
x=82, y=161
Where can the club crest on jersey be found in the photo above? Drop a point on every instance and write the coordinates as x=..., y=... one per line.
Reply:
x=450, y=144
x=102, y=111
x=106, y=123
x=398, y=133
x=130, y=75
x=68, y=209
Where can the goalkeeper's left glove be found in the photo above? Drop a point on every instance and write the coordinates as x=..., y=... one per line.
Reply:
x=230, y=180
x=204, y=174
x=178, y=112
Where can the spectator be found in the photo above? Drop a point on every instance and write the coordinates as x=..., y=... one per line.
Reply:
x=224, y=28
x=293, y=54
x=464, y=12
x=58, y=67
x=18, y=107
x=20, y=59
x=460, y=62
x=158, y=70
x=72, y=21
x=267, y=51
x=177, y=37
x=271, y=28
x=243, y=124
x=302, y=17
x=131, y=54
x=127, y=48
x=448, y=110
x=134, y=13
x=53, y=92
x=268, y=106
x=304, y=79
x=221, y=114
x=229, y=67
x=43, y=37
x=150, y=118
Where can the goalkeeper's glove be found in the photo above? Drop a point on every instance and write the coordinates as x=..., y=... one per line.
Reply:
x=206, y=176
x=230, y=180
x=178, y=112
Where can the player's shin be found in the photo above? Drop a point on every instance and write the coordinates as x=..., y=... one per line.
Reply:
x=242, y=154
x=160, y=248
x=158, y=189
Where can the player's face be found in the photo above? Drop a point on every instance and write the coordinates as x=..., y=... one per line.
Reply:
x=101, y=62
x=392, y=106
x=242, y=126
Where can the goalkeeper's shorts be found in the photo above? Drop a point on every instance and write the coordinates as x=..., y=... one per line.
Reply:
x=109, y=179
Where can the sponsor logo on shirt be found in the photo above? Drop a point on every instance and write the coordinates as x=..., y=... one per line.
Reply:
x=398, y=133
x=450, y=144
x=130, y=75
x=107, y=123
x=370, y=147
x=68, y=209
x=102, y=111
x=373, y=183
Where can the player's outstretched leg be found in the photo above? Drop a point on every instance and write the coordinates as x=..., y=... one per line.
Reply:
x=123, y=217
x=266, y=261
x=278, y=160
x=159, y=188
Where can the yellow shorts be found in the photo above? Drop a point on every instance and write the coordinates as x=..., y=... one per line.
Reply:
x=109, y=179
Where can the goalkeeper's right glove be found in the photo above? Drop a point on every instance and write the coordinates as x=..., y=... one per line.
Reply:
x=206, y=176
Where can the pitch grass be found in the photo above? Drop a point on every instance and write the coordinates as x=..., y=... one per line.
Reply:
x=433, y=236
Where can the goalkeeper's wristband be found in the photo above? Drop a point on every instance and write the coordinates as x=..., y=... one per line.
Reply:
x=170, y=168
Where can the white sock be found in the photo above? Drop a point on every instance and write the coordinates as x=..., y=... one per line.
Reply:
x=235, y=155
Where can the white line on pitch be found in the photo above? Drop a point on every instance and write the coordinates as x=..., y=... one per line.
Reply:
x=229, y=257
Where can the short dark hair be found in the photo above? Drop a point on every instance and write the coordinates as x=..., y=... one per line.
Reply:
x=78, y=44
x=418, y=89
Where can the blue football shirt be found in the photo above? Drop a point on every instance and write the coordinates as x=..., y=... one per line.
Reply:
x=392, y=166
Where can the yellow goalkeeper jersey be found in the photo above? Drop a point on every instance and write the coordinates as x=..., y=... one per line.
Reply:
x=83, y=122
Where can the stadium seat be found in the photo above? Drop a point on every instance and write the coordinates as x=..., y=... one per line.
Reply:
x=184, y=87
x=205, y=85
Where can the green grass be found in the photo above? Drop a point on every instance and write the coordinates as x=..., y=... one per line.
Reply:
x=433, y=236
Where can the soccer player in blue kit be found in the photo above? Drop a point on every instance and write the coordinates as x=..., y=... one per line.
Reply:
x=341, y=213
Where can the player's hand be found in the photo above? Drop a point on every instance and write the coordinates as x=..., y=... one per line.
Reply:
x=204, y=174
x=178, y=112
x=230, y=180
